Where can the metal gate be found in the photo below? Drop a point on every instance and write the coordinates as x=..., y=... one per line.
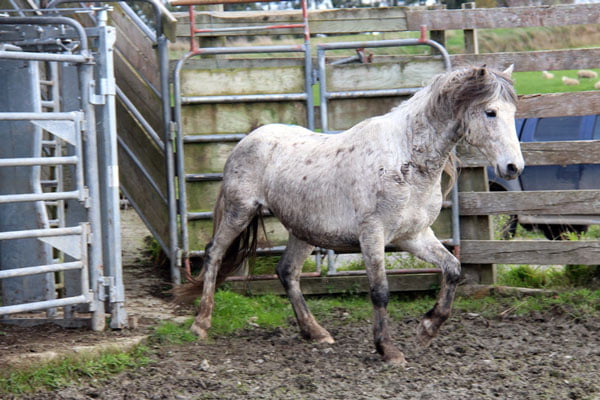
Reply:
x=312, y=78
x=59, y=201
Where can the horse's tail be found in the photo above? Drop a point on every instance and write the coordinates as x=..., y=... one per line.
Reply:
x=243, y=247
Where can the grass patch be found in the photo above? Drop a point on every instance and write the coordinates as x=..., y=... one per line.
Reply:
x=234, y=312
x=169, y=332
x=70, y=370
x=532, y=82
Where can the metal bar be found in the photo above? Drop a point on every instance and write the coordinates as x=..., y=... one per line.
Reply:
x=96, y=262
x=243, y=98
x=109, y=171
x=38, y=233
x=185, y=245
x=40, y=269
x=199, y=215
x=295, y=48
x=40, y=116
x=232, y=137
x=371, y=93
x=42, y=305
x=27, y=162
x=322, y=88
x=21, y=198
x=209, y=177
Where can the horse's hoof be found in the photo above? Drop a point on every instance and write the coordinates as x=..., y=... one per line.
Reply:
x=425, y=332
x=396, y=360
x=201, y=333
x=324, y=339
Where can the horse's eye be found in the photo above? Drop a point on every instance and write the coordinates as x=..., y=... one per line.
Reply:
x=490, y=113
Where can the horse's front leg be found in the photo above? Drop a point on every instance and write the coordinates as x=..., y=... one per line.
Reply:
x=428, y=248
x=372, y=245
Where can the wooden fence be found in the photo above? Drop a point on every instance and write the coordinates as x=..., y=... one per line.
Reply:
x=276, y=75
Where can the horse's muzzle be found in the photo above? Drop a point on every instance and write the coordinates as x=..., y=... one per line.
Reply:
x=510, y=171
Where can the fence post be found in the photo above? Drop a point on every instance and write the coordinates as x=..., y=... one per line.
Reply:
x=470, y=35
x=478, y=227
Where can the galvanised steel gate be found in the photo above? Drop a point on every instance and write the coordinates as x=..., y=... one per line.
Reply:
x=59, y=206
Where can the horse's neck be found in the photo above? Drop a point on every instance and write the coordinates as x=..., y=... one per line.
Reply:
x=427, y=140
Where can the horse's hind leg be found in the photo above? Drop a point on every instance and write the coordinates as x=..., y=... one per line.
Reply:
x=288, y=270
x=234, y=221
x=373, y=248
x=428, y=248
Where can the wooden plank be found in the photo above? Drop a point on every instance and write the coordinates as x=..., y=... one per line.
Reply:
x=542, y=153
x=345, y=113
x=558, y=104
x=339, y=284
x=385, y=19
x=207, y=157
x=138, y=91
x=138, y=48
x=143, y=147
x=355, y=20
x=532, y=60
x=411, y=72
x=150, y=206
x=200, y=233
x=537, y=252
x=504, y=17
x=240, y=118
x=557, y=202
x=242, y=81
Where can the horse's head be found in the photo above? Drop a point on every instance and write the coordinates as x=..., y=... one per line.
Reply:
x=485, y=103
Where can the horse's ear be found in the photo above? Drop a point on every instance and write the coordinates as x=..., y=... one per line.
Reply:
x=508, y=71
x=481, y=71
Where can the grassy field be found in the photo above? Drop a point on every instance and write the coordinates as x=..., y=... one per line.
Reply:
x=532, y=82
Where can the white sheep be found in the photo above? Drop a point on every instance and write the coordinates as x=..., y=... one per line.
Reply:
x=586, y=73
x=597, y=85
x=547, y=75
x=570, y=81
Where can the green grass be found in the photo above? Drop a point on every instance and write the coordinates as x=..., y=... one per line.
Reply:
x=233, y=312
x=532, y=82
x=169, y=332
x=70, y=370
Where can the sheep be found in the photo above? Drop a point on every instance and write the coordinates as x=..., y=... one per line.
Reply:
x=547, y=75
x=586, y=73
x=570, y=81
x=597, y=85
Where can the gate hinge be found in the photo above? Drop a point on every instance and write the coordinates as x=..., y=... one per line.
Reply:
x=96, y=99
x=172, y=130
x=107, y=289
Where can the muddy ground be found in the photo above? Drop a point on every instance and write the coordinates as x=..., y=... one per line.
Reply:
x=541, y=356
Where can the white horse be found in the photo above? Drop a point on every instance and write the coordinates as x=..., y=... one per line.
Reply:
x=377, y=183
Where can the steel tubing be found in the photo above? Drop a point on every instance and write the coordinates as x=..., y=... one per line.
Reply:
x=21, y=198
x=42, y=305
x=28, y=162
x=40, y=269
x=38, y=233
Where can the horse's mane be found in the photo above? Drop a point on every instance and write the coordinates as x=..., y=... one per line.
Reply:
x=467, y=87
